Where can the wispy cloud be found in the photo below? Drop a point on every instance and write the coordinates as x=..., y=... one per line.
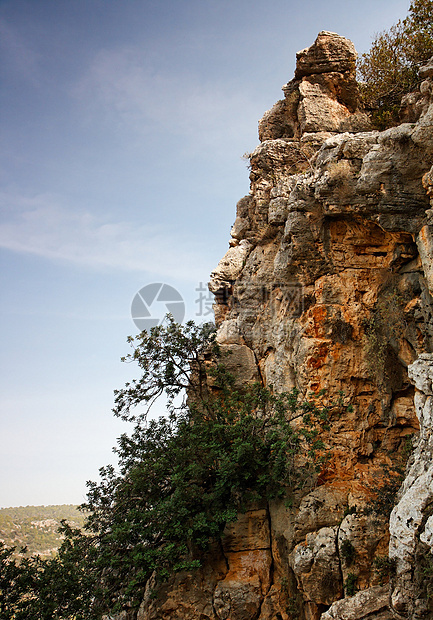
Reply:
x=43, y=226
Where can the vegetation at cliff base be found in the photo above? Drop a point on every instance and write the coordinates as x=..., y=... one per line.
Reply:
x=181, y=478
x=390, y=69
x=36, y=527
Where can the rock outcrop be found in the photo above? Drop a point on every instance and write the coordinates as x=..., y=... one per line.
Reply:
x=323, y=96
x=327, y=285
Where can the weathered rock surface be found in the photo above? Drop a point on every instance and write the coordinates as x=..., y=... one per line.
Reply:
x=371, y=604
x=323, y=96
x=328, y=284
x=411, y=544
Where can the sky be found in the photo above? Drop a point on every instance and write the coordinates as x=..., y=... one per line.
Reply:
x=122, y=130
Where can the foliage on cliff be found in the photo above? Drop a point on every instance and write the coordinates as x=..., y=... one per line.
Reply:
x=181, y=479
x=390, y=69
x=184, y=476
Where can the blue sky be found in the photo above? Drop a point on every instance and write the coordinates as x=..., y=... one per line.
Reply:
x=123, y=125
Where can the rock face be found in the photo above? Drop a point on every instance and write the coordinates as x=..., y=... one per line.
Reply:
x=327, y=284
x=411, y=523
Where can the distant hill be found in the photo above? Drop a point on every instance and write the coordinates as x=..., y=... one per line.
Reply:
x=35, y=527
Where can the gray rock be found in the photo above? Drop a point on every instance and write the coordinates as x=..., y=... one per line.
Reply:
x=371, y=604
x=427, y=70
x=410, y=520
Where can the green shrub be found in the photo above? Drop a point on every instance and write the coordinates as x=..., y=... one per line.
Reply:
x=385, y=491
x=385, y=567
x=349, y=511
x=350, y=584
x=348, y=551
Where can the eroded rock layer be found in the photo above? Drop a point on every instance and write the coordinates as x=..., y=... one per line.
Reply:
x=327, y=285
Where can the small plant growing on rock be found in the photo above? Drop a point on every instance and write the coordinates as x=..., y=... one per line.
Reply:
x=293, y=599
x=385, y=492
x=246, y=157
x=294, y=606
x=348, y=551
x=350, y=584
x=385, y=568
x=408, y=446
x=349, y=511
x=423, y=573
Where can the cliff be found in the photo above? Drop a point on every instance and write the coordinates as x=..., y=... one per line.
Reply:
x=327, y=285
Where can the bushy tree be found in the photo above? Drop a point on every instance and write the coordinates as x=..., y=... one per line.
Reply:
x=180, y=478
x=15, y=582
x=390, y=69
x=61, y=588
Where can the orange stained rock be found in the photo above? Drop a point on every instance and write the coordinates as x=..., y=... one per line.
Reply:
x=318, y=315
x=318, y=359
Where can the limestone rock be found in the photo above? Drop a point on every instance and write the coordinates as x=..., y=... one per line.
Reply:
x=427, y=182
x=330, y=52
x=362, y=537
x=316, y=566
x=425, y=248
x=427, y=70
x=238, y=598
x=371, y=604
x=279, y=122
x=411, y=520
x=250, y=531
x=240, y=362
x=320, y=508
x=247, y=550
x=323, y=97
x=349, y=231
x=229, y=267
